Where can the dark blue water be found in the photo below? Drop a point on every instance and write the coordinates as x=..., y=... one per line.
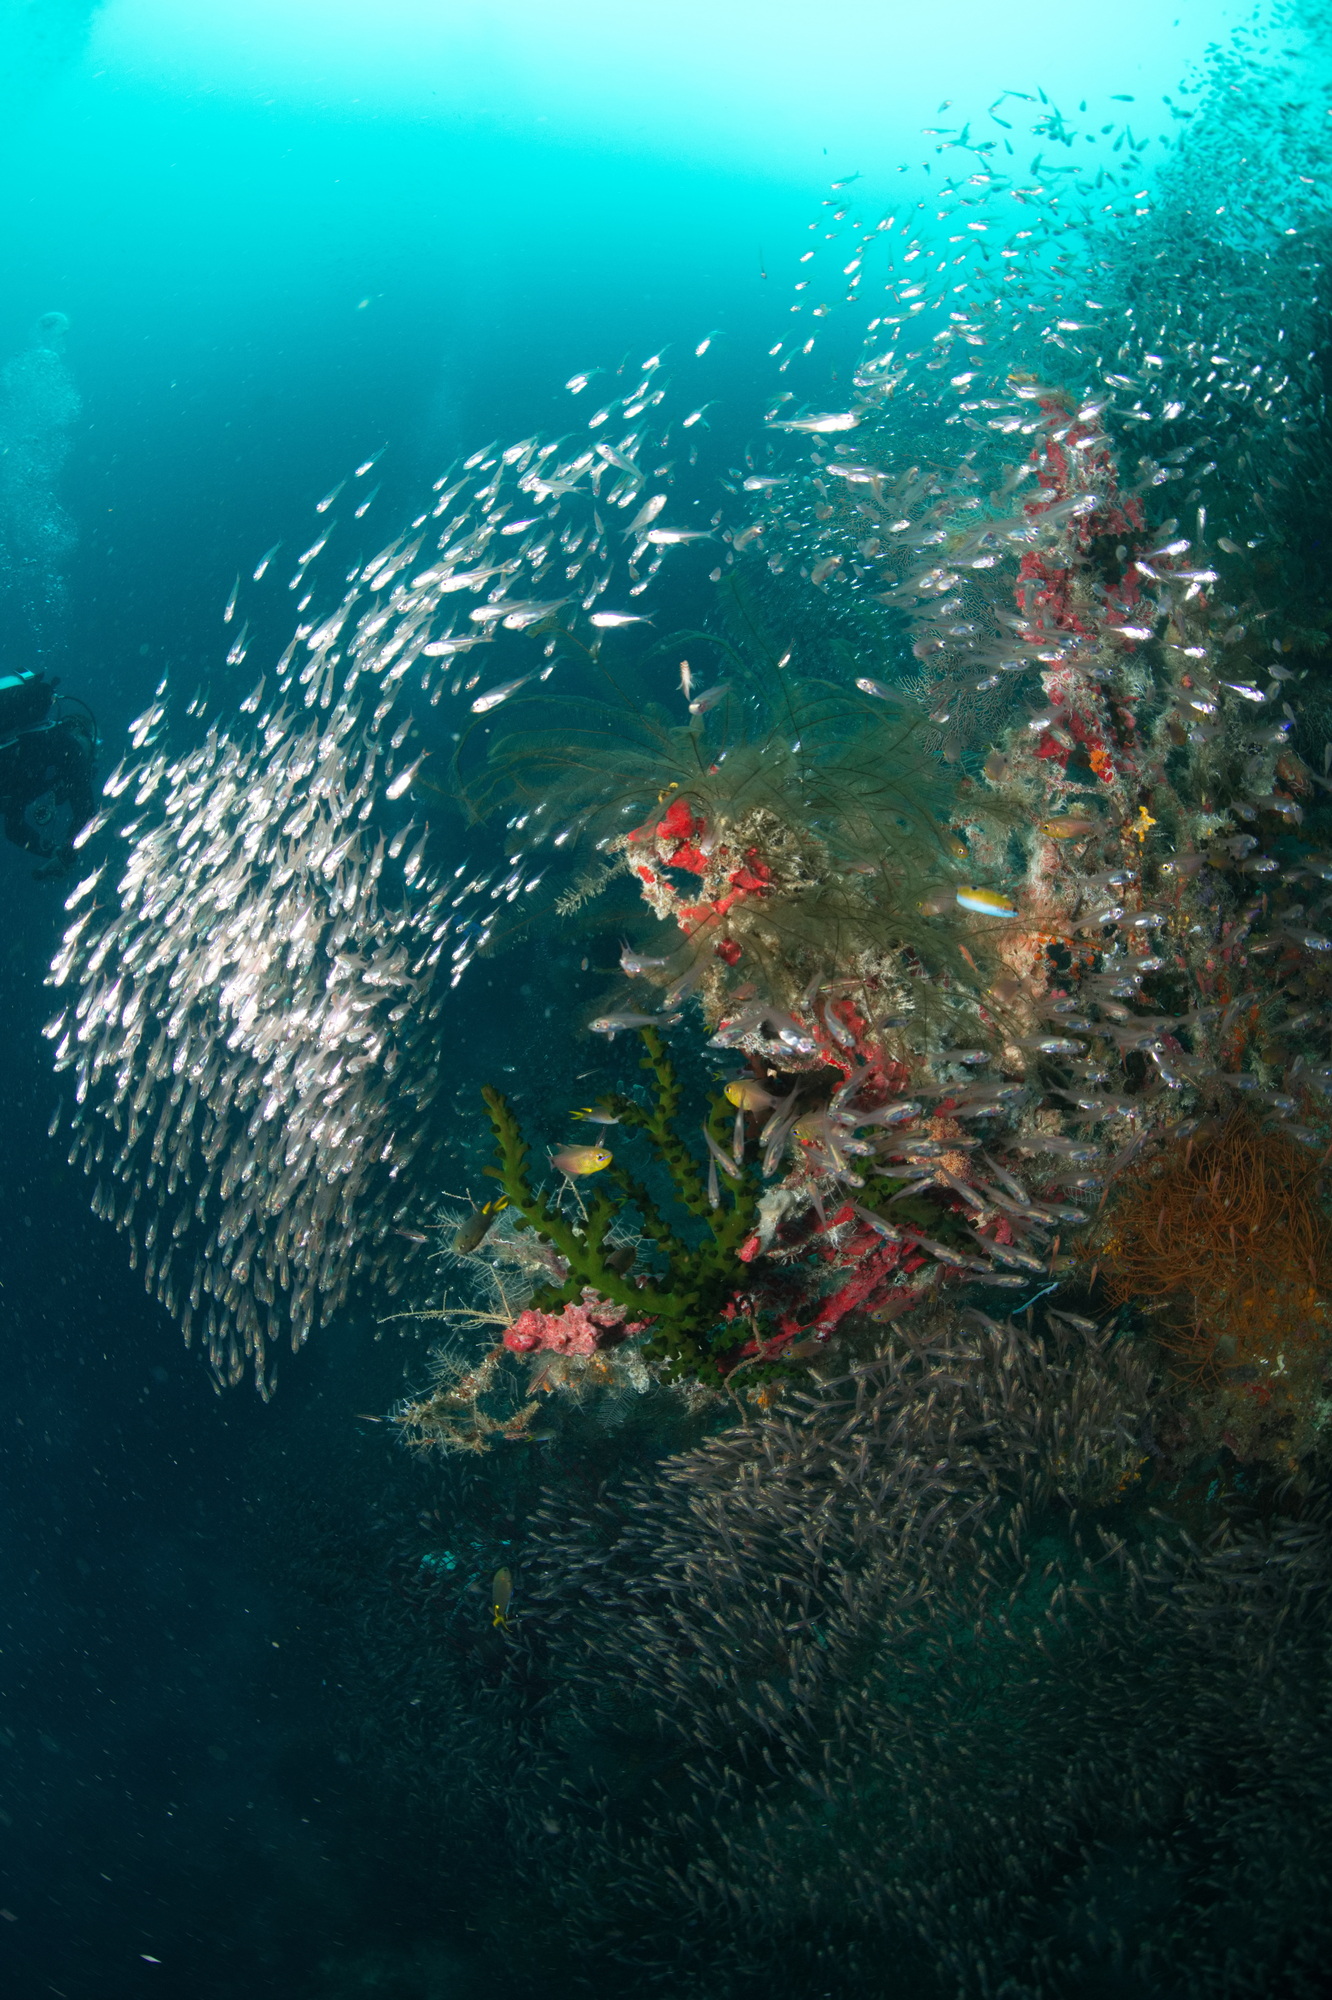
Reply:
x=184, y=1808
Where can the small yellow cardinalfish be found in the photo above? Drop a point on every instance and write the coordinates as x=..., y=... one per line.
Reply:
x=986, y=902
x=574, y=1160
x=1068, y=826
x=747, y=1094
x=501, y=1590
x=472, y=1231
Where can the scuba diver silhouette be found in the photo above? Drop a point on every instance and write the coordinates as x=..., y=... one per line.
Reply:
x=48, y=748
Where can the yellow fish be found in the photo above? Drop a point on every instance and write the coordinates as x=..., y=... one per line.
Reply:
x=747, y=1094
x=986, y=902
x=599, y=1113
x=474, y=1228
x=501, y=1590
x=573, y=1160
x=1068, y=826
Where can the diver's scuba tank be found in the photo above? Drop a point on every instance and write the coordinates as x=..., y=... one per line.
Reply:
x=48, y=750
x=25, y=703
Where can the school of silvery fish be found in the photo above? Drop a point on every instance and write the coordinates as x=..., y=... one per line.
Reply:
x=254, y=990
x=251, y=1013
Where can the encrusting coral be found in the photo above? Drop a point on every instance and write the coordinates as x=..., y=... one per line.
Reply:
x=970, y=1004
x=1013, y=907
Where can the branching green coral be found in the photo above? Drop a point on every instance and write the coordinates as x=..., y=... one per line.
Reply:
x=685, y=1299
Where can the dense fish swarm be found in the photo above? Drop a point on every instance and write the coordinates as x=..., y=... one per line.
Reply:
x=246, y=1043
x=250, y=1030
x=1106, y=930
x=1089, y=977
x=932, y=1683
x=252, y=1021
x=990, y=1659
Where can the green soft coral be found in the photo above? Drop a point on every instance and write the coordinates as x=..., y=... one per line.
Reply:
x=684, y=1301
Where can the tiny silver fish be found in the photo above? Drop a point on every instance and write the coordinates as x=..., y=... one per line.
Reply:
x=615, y=1024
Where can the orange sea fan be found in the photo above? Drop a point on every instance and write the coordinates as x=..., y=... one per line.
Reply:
x=1226, y=1241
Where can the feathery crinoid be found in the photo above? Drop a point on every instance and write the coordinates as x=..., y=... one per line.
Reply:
x=794, y=829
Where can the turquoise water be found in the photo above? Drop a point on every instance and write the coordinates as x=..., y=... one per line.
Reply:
x=261, y=1733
